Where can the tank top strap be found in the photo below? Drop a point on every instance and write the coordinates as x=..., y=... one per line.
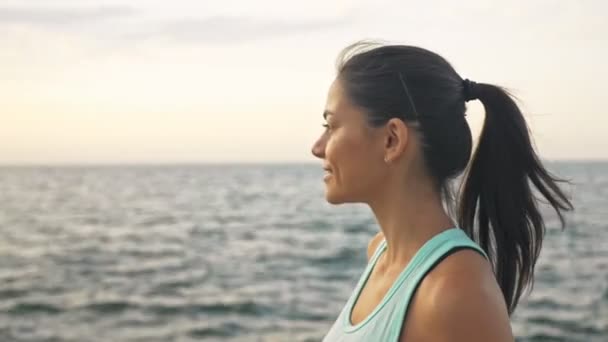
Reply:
x=377, y=252
x=430, y=255
x=370, y=265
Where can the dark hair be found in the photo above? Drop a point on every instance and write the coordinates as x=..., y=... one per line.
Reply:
x=421, y=88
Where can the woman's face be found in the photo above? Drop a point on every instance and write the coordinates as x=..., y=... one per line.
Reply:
x=351, y=150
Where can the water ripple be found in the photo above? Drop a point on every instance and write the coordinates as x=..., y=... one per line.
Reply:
x=227, y=252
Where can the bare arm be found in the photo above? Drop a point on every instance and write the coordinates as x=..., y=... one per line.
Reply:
x=461, y=301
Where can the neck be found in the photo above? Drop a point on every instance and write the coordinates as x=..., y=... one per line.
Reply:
x=408, y=215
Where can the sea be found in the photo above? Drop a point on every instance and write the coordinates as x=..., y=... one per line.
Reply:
x=239, y=252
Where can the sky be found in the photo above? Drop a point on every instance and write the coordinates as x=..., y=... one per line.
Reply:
x=150, y=81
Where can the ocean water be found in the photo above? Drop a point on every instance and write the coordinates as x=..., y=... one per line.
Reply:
x=238, y=253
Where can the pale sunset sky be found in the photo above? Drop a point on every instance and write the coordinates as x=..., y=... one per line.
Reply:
x=150, y=81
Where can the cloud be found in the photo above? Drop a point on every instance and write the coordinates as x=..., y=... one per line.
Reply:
x=226, y=29
x=152, y=23
x=62, y=16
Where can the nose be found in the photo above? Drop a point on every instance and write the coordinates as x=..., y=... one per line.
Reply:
x=318, y=149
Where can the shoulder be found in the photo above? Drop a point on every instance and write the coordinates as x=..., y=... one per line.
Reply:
x=459, y=300
x=373, y=244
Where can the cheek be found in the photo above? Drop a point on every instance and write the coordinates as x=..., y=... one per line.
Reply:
x=352, y=157
x=333, y=147
x=339, y=149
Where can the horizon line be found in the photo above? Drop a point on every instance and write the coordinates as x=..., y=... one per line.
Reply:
x=226, y=163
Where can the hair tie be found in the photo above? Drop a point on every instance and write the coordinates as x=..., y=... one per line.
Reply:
x=469, y=89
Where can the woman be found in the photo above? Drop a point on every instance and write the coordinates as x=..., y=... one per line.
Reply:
x=395, y=135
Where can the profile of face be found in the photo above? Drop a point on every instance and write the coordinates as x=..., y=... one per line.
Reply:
x=352, y=151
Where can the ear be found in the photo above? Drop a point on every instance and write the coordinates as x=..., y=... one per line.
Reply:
x=395, y=140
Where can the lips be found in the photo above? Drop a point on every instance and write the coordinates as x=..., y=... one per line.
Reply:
x=328, y=173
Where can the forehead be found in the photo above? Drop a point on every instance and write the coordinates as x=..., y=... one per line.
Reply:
x=337, y=102
x=339, y=107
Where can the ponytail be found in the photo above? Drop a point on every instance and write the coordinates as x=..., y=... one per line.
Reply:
x=497, y=189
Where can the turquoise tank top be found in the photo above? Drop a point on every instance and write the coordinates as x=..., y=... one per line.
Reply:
x=384, y=323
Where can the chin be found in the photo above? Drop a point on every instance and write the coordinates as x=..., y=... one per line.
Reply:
x=333, y=197
x=332, y=200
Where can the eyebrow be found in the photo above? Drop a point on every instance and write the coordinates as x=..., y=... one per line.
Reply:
x=326, y=113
